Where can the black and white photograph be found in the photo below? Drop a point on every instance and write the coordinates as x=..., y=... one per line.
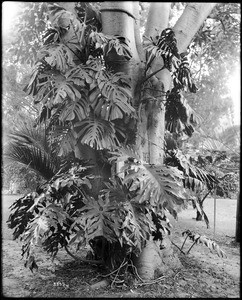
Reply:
x=121, y=149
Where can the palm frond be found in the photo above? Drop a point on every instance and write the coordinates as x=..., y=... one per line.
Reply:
x=32, y=157
x=27, y=134
x=213, y=144
x=29, y=146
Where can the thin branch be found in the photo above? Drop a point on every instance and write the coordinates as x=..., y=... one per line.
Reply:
x=114, y=270
x=191, y=246
x=153, y=74
x=206, y=196
x=178, y=248
x=184, y=242
x=149, y=64
x=118, y=270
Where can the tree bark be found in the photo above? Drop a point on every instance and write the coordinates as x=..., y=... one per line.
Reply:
x=157, y=21
x=69, y=6
x=189, y=22
x=154, y=262
x=121, y=18
x=118, y=19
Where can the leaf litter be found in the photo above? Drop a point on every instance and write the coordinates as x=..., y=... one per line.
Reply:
x=203, y=274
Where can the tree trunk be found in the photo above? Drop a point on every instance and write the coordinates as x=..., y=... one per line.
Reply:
x=121, y=18
x=158, y=19
x=157, y=258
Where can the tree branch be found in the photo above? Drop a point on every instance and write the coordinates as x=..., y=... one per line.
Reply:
x=190, y=21
x=158, y=18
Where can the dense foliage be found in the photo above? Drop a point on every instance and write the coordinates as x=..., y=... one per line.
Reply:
x=88, y=111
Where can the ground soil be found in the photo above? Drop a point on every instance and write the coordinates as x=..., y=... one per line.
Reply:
x=203, y=274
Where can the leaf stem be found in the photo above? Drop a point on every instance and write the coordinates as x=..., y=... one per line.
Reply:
x=191, y=246
x=184, y=242
x=152, y=74
x=178, y=248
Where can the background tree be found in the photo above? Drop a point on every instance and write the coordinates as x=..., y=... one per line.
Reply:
x=214, y=56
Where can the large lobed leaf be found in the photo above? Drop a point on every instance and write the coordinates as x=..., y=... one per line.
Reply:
x=95, y=219
x=180, y=117
x=110, y=94
x=163, y=45
x=195, y=178
x=160, y=186
x=120, y=222
x=97, y=133
x=108, y=43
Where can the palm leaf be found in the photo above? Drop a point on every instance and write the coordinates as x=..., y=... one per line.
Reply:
x=29, y=135
x=32, y=157
x=29, y=146
x=213, y=144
